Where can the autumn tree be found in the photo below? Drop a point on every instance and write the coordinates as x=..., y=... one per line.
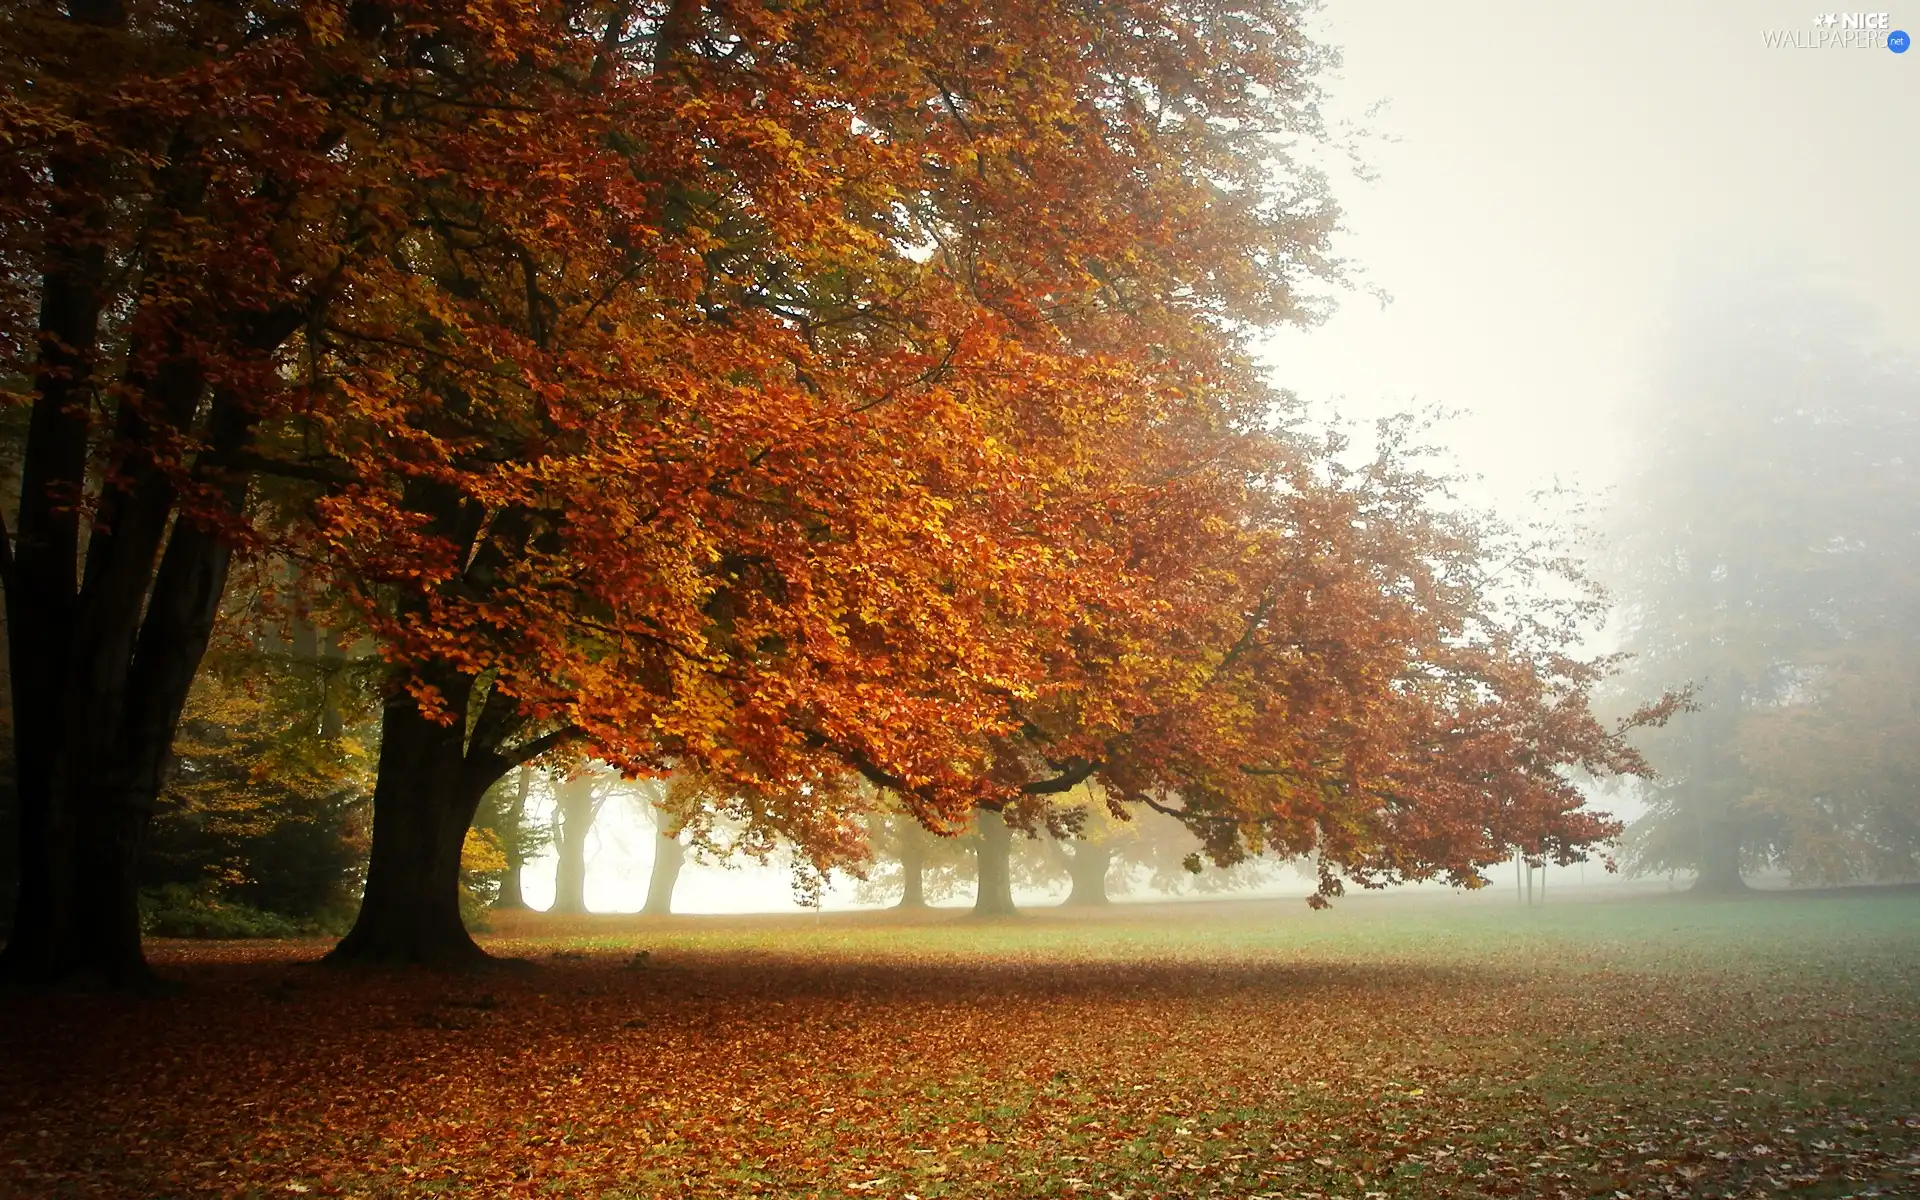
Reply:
x=1327, y=668
x=211, y=217
x=804, y=337
x=178, y=204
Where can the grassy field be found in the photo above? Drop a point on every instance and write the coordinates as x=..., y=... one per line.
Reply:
x=1396, y=1046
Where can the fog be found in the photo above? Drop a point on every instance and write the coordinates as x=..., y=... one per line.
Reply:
x=1533, y=194
x=1550, y=181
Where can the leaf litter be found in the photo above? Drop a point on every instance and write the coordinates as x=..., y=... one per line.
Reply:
x=1142, y=1055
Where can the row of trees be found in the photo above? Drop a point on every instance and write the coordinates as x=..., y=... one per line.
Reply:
x=806, y=399
x=263, y=824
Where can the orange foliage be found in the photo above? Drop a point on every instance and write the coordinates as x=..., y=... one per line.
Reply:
x=779, y=389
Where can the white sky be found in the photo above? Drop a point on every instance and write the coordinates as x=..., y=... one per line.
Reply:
x=1557, y=173
x=1551, y=178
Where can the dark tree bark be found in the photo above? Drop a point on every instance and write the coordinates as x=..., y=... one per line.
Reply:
x=424, y=798
x=433, y=774
x=575, y=807
x=1087, y=866
x=105, y=643
x=41, y=578
x=96, y=740
x=428, y=788
x=41, y=570
x=994, y=851
x=913, y=864
x=669, y=856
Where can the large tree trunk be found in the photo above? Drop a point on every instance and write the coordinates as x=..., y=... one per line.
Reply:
x=1087, y=866
x=424, y=799
x=94, y=754
x=172, y=642
x=994, y=851
x=1719, y=854
x=103, y=656
x=42, y=584
x=574, y=811
x=669, y=856
x=913, y=864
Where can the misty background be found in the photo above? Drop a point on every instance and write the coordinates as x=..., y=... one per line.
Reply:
x=1539, y=202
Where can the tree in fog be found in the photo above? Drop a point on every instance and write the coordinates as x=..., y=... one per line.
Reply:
x=1765, y=545
x=669, y=850
x=507, y=814
x=909, y=865
x=1121, y=852
x=577, y=800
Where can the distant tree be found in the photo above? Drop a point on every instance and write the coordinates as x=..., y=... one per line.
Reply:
x=1123, y=852
x=993, y=870
x=1089, y=862
x=507, y=815
x=669, y=852
x=1765, y=546
x=578, y=797
x=911, y=851
x=1837, y=770
x=911, y=866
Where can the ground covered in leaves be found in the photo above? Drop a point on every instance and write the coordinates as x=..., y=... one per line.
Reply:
x=1393, y=1047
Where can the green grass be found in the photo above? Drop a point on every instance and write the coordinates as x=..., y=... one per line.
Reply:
x=1397, y=1046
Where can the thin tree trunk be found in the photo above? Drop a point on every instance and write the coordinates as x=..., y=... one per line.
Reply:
x=1087, y=865
x=994, y=851
x=913, y=864
x=512, y=890
x=574, y=811
x=669, y=856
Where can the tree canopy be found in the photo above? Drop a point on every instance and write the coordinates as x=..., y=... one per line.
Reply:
x=769, y=391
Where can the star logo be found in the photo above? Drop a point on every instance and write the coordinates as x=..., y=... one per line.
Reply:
x=1825, y=19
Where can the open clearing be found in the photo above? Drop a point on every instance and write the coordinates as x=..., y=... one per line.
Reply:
x=1396, y=1046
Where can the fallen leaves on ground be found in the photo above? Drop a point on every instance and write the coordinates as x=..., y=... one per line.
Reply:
x=1147, y=1054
